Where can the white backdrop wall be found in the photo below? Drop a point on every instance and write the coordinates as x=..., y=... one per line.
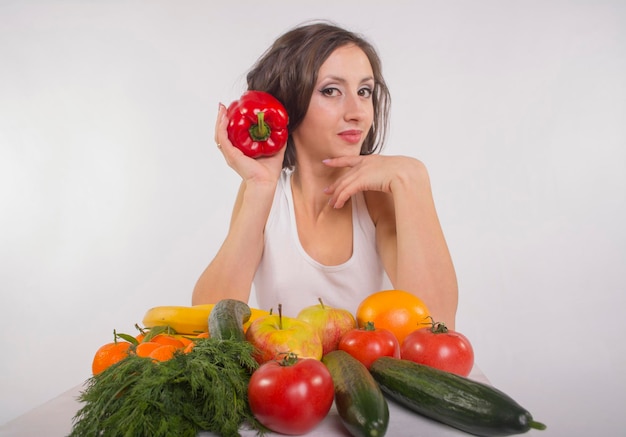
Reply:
x=113, y=197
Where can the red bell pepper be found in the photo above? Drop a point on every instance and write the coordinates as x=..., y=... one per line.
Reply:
x=257, y=124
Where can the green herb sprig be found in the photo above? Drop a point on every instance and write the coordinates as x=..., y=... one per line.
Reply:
x=204, y=390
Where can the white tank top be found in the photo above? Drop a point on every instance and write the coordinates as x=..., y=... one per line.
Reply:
x=289, y=276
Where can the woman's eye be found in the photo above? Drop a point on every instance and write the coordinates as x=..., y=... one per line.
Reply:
x=365, y=92
x=334, y=92
x=330, y=92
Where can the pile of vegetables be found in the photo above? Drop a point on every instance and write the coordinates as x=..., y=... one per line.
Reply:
x=217, y=384
x=203, y=390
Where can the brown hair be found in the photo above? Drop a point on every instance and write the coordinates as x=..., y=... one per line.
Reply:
x=288, y=70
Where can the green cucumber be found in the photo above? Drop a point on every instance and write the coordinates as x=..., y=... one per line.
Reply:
x=227, y=318
x=457, y=401
x=361, y=405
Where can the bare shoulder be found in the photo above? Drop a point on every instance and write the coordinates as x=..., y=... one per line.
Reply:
x=414, y=169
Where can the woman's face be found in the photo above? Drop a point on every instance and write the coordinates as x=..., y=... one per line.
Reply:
x=341, y=112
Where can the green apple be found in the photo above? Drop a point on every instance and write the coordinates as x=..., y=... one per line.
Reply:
x=275, y=335
x=330, y=323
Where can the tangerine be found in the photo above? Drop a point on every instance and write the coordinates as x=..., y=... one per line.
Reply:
x=192, y=341
x=185, y=339
x=163, y=353
x=108, y=355
x=144, y=349
x=166, y=339
x=398, y=311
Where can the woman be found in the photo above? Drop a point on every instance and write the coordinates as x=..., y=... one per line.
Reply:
x=328, y=216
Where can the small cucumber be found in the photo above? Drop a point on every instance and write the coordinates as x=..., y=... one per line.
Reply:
x=227, y=318
x=361, y=405
x=468, y=405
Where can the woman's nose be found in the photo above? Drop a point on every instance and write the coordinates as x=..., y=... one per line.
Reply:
x=355, y=107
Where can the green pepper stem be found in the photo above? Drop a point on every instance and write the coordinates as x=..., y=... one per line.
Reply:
x=260, y=131
x=537, y=425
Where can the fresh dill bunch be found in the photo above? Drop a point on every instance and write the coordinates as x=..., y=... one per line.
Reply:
x=203, y=390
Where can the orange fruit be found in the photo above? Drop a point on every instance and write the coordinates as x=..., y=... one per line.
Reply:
x=144, y=349
x=185, y=339
x=395, y=310
x=192, y=341
x=166, y=339
x=189, y=347
x=108, y=355
x=163, y=353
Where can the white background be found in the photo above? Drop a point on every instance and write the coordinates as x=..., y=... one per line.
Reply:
x=113, y=197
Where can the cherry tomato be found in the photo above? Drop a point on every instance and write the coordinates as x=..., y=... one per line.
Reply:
x=291, y=396
x=439, y=347
x=368, y=343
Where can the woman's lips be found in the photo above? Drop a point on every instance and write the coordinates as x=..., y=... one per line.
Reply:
x=351, y=136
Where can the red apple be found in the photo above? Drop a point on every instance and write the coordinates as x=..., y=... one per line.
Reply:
x=276, y=335
x=331, y=323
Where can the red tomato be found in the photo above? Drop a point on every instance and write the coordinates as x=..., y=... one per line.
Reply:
x=368, y=343
x=439, y=347
x=291, y=396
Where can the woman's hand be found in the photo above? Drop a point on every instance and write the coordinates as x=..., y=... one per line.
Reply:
x=369, y=173
x=408, y=234
x=258, y=170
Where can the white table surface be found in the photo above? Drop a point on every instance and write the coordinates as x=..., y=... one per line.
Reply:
x=54, y=419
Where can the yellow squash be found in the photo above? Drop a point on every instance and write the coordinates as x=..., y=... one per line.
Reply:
x=188, y=320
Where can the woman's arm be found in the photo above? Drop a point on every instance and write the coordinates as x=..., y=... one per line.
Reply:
x=231, y=272
x=412, y=244
x=409, y=236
